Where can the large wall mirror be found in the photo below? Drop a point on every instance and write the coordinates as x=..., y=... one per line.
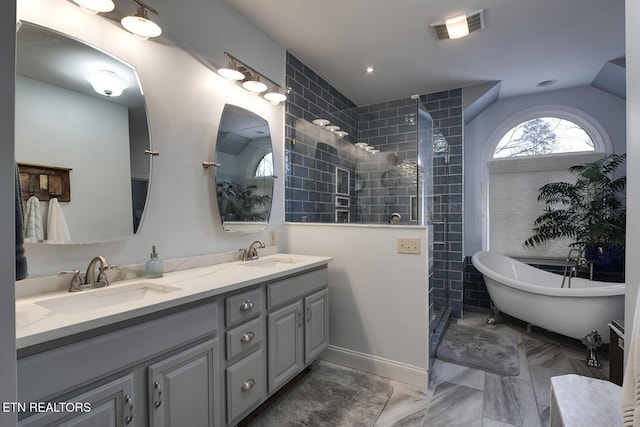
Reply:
x=67, y=119
x=244, y=171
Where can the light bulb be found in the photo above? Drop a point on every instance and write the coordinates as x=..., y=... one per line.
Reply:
x=140, y=26
x=95, y=6
x=457, y=27
x=107, y=83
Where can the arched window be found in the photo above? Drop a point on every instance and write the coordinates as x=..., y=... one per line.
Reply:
x=544, y=135
x=265, y=166
x=530, y=149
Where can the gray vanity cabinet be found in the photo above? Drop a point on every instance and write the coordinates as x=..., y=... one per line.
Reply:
x=246, y=378
x=111, y=406
x=117, y=373
x=316, y=325
x=285, y=344
x=181, y=388
x=298, y=327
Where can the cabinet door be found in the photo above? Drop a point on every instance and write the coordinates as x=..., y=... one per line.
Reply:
x=181, y=387
x=111, y=405
x=285, y=344
x=316, y=329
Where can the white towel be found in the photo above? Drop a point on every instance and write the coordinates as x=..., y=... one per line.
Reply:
x=33, y=221
x=631, y=382
x=57, y=230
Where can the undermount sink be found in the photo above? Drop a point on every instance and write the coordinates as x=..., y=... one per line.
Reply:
x=88, y=300
x=271, y=262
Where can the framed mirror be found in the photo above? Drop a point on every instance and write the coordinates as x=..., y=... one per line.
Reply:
x=66, y=118
x=244, y=172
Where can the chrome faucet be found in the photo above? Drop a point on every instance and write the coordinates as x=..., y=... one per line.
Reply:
x=252, y=252
x=101, y=280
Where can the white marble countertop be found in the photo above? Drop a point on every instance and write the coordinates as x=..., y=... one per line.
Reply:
x=37, y=324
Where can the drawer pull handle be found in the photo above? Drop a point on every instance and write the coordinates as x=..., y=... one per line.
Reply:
x=157, y=392
x=247, y=337
x=129, y=402
x=248, y=384
x=247, y=305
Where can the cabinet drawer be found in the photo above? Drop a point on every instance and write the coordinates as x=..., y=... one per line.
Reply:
x=295, y=287
x=243, y=306
x=246, y=385
x=244, y=337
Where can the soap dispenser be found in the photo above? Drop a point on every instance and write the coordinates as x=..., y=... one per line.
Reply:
x=153, y=267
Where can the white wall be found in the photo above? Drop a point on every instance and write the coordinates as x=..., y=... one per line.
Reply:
x=378, y=307
x=96, y=148
x=184, y=100
x=608, y=109
x=632, y=274
x=7, y=213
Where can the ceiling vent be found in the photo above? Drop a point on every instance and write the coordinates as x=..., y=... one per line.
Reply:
x=475, y=22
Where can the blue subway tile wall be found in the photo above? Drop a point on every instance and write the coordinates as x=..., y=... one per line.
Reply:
x=447, y=282
x=388, y=179
x=314, y=154
x=317, y=161
x=475, y=291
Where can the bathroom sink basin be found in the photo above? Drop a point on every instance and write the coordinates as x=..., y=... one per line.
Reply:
x=271, y=262
x=88, y=300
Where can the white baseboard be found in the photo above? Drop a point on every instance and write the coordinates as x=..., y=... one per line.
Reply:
x=387, y=368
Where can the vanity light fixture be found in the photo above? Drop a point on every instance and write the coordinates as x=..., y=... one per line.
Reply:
x=332, y=128
x=361, y=144
x=238, y=71
x=274, y=96
x=139, y=24
x=254, y=85
x=341, y=133
x=95, y=6
x=321, y=122
x=459, y=26
x=231, y=72
x=107, y=83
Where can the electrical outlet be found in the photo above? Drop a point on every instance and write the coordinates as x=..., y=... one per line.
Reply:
x=272, y=238
x=408, y=245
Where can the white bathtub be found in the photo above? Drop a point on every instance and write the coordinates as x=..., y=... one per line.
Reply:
x=535, y=296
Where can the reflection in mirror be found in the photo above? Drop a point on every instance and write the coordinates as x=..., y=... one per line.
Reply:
x=65, y=122
x=244, y=177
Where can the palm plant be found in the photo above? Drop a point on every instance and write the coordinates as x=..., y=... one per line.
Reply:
x=238, y=203
x=590, y=211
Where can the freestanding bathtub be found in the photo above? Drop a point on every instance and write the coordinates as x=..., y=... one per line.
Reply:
x=535, y=296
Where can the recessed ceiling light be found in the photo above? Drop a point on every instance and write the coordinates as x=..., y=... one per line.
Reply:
x=370, y=69
x=546, y=83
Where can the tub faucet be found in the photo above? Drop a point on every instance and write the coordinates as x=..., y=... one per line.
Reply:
x=252, y=252
x=101, y=280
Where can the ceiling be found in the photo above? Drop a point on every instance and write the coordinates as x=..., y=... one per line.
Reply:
x=523, y=43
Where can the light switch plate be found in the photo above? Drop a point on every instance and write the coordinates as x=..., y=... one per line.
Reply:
x=272, y=238
x=408, y=245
